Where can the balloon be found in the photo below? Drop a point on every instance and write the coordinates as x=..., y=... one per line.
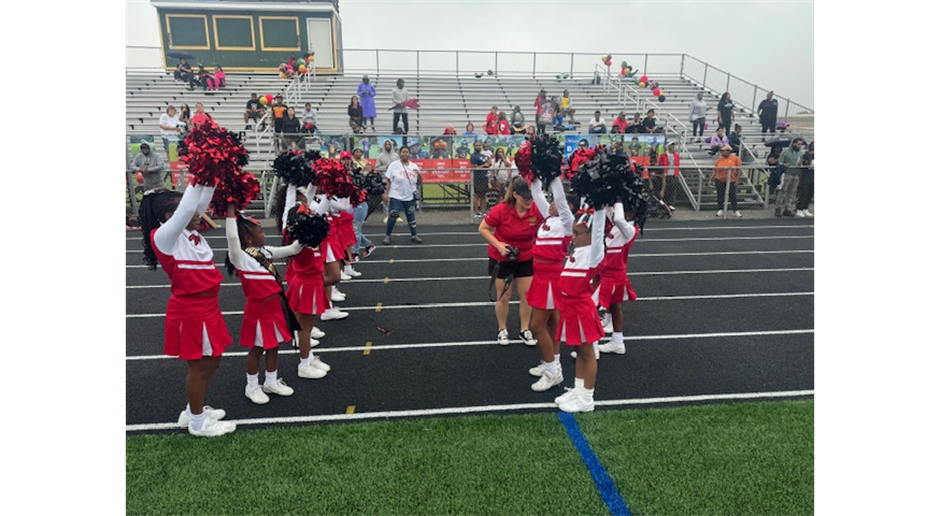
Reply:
x=270, y=98
x=608, y=63
x=642, y=84
x=656, y=92
x=302, y=68
x=662, y=98
x=558, y=77
x=603, y=59
x=644, y=78
x=636, y=81
x=283, y=76
x=623, y=64
x=263, y=100
x=309, y=59
x=628, y=70
x=623, y=73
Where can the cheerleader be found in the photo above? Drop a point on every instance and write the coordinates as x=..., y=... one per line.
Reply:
x=306, y=295
x=333, y=254
x=551, y=244
x=615, y=287
x=265, y=325
x=579, y=324
x=194, y=330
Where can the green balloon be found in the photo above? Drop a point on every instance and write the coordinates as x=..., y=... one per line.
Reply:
x=623, y=64
x=558, y=77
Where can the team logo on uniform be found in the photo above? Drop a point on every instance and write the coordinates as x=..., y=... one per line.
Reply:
x=545, y=227
x=530, y=220
x=195, y=239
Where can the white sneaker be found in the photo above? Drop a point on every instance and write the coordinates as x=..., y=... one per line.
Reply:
x=528, y=338
x=807, y=213
x=503, y=338
x=577, y=403
x=569, y=392
x=256, y=395
x=280, y=388
x=720, y=213
x=333, y=314
x=608, y=322
x=317, y=333
x=800, y=213
x=183, y=420
x=737, y=213
x=547, y=381
x=352, y=272
x=337, y=296
x=343, y=276
x=313, y=342
x=310, y=372
x=574, y=354
x=537, y=370
x=319, y=364
x=672, y=208
x=610, y=347
x=213, y=428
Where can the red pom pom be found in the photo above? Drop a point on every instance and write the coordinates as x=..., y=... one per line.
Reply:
x=238, y=190
x=523, y=161
x=359, y=197
x=332, y=178
x=211, y=153
x=578, y=158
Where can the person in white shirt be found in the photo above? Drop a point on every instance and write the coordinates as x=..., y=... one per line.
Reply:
x=597, y=125
x=169, y=129
x=401, y=180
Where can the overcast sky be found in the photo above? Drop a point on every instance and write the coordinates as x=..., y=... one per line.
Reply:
x=767, y=43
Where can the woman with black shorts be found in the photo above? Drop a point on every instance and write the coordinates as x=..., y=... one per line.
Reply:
x=510, y=229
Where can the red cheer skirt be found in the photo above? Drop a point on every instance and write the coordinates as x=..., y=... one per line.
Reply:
x=543, y=293
x=307, y=295
x=347, y=234
x=264, y=324
x=194, y=328
x=578, y=322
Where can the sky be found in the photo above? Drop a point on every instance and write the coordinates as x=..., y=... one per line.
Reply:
x=767, y=43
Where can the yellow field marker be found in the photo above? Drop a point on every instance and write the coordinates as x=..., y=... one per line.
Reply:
x=368, y=348
x=378, y=308
x=391, y=261
x=386, y=281
x=350, y=409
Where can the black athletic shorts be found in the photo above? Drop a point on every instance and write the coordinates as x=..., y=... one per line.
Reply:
x=481, y=181
x=517, y=269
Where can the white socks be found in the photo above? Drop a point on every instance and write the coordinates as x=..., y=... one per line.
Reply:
x=195, y=422
x=270, y=378
x=617, y=339
x=580, y=390
x=252, y=380
x=304, y=362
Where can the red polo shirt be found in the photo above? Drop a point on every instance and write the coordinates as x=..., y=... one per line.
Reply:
x=514, y=230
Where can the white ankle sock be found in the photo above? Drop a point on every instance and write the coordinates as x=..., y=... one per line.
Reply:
x=617, y=339
x=252, y=380
x=195, y=422
x=270, y=377
x=557, y=359
x=579, y=383
x=588, y=393
x=304, y=362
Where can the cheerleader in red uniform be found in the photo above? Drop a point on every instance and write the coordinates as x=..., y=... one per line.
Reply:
x=333, y=253
x=578, y=323
x=551, y=245
x=195, y=330
x=615, y=287
x=306, y=294
x=265, y=325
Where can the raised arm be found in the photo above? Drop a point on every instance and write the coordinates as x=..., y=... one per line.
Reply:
x=597, y=238
x=538, y=197
x=289, y=203
x=341, y=204
x=283, y=252
x=169, y=232
x=235, y=253
x=561, y=204
x=626, y=227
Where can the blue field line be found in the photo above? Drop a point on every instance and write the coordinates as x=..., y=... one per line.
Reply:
x=605, y=485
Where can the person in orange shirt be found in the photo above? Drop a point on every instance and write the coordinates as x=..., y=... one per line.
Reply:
x=727, y=164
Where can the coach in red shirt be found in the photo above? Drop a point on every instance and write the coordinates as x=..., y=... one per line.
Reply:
x=514, y=222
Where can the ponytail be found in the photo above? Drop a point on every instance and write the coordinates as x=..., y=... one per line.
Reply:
x=153, y=208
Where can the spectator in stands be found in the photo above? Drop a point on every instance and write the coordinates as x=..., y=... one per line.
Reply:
x=726, y=111
x=219, y=77
x=486, y=149
x=734, y=140
x=480, y=164
x=150, y=166
x=571, y=120
x=169, y=128
x=767, y=113
x=278, y=112
x=620, y=123
x=649, y=123
x=354, y=110
x=669, y=160
x=184, y=72
x=489, y=125
x=186, y=116
x=517, y=121
x=399, y=96
x=367, y=97
x=635, y=148
x=450, y=131
x=565, y=104
x=636, y=125
x=657, y=175
x=293, y=138
x=469, y=131
x=309, y=116
x=717, y=141
x=790, y=160
x=697, y=114
x=202, y=77
x=502, y=171
x=728, y=167
x=559, y=119
x=502, y=125
x=255, y=111
x=201, y=110
x=545, y=112
x=597, y=125
x=805, y=190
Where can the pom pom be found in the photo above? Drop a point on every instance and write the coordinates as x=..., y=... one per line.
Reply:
x=293, y=168
x=238, y=190
x=332, y=178
x=606, y=178
x=211, y=153
x=306, y=227
x=523, y=161
x=546, y=157
x=359, y=197
x=578, y=158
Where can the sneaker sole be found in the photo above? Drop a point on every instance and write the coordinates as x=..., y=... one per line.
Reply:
x=617, y=351
x=570, y=411
x=256, y=402
x=299, y=375
x=560, y=379
x=271, y=391
x=214, y=434
x=337, y=318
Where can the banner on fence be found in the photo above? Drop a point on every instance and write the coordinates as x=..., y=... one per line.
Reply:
x=637, y=146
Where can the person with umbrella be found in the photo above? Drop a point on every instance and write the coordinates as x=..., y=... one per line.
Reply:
x=367, y=99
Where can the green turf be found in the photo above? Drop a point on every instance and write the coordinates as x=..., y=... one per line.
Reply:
x=747, y=458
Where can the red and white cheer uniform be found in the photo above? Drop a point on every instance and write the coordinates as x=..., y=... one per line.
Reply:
x=551, y=246
x=578, y=322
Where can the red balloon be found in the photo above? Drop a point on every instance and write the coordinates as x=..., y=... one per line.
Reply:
x=608, y=63
x=270, y=98
x=644, y=79
x=623, y=72
x=656, y=92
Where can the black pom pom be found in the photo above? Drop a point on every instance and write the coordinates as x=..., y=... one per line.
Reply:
x=312, y=155
x=607, y=178
x=547, y=157
x=293, y=167
x=307, y=228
